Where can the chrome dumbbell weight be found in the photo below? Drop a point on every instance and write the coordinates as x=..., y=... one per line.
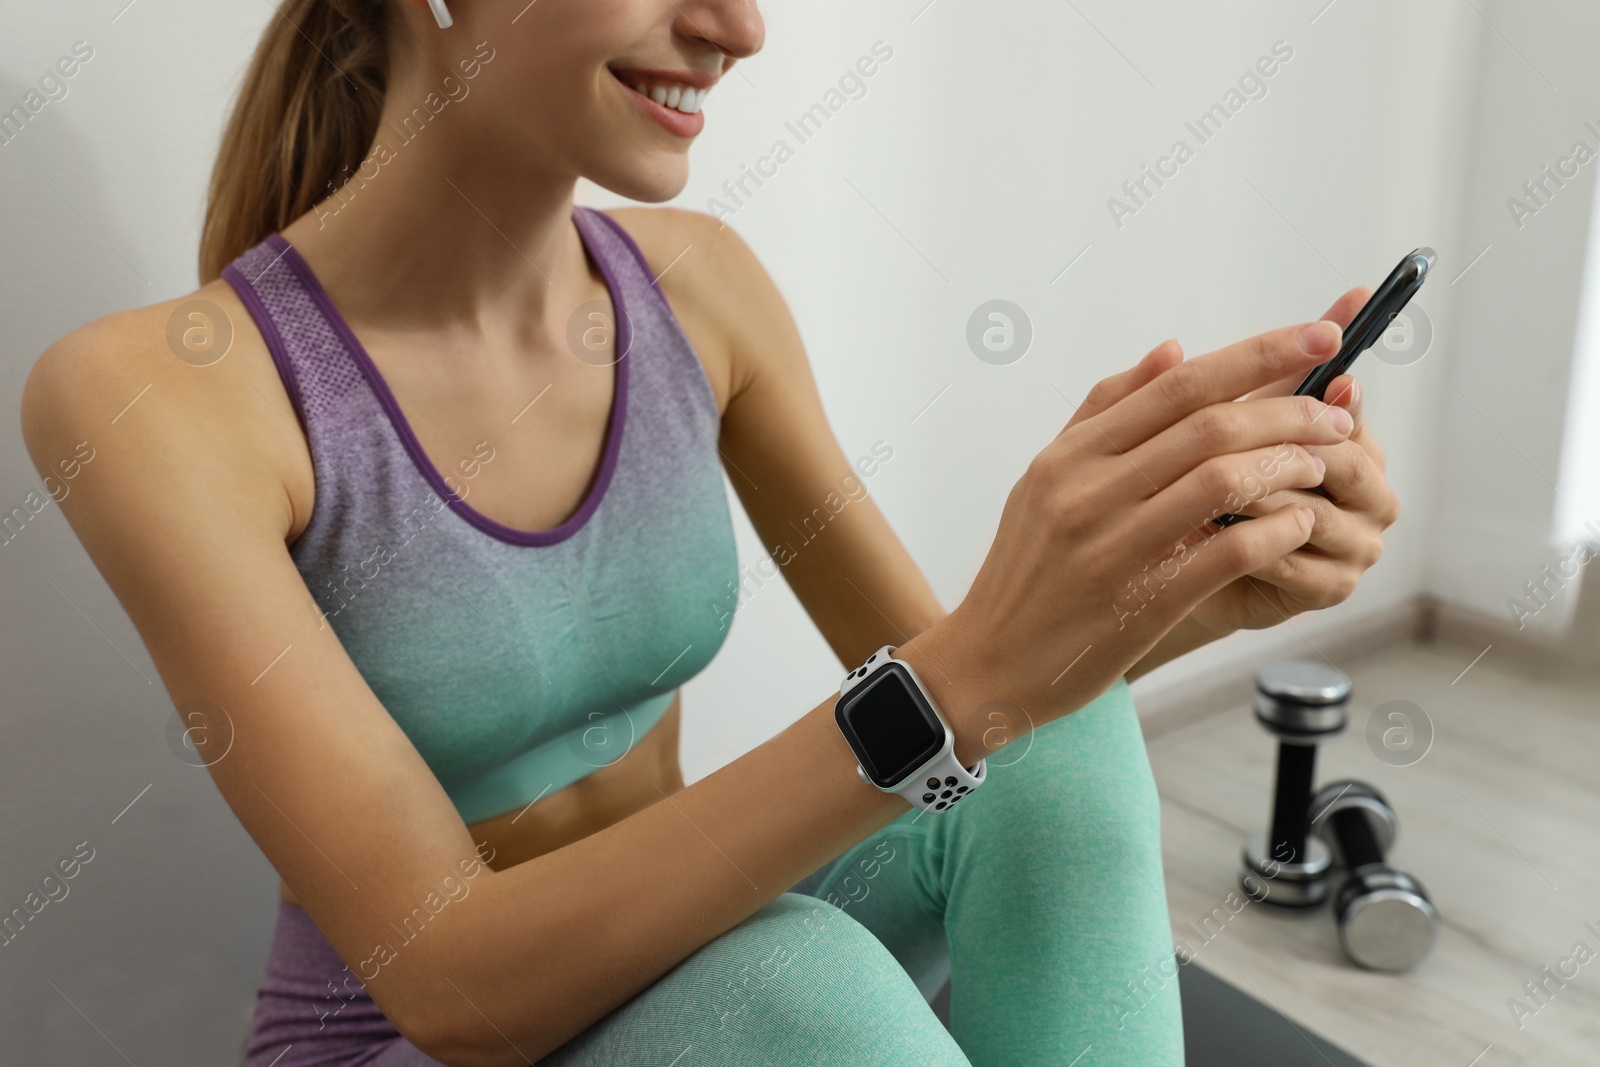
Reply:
x=1303, y=703
x=1386, y=921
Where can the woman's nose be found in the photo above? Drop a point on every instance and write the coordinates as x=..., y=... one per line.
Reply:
x=733, y=27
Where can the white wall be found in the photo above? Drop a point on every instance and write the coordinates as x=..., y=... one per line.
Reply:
x=160, y=939
x=991, y=142
x=1578, y=496
x=1501, y=474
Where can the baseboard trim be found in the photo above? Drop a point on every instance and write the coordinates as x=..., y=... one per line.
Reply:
x=1571, y=655
x=1423, y=620
x=1385, y=630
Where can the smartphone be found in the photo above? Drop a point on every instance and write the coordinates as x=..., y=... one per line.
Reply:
x=1364, y=330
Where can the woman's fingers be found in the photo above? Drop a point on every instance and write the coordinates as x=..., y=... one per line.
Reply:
x=1226, y=484
x=1213, y=378
x=1338, y=533
x=1345, y=392
x=1108, y=391
x=1341, y=312
x=1235, y=427
x=1344, y=309
x=1205, y=563
x=1356, y=483
x=1308, y=581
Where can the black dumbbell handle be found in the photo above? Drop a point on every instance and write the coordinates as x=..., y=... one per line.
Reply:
x=1291, y=817
x=1354, y=833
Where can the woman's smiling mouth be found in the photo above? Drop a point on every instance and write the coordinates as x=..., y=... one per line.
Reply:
x=672, y=98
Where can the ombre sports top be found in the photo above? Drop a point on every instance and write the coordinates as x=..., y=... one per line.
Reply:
x=516, y=661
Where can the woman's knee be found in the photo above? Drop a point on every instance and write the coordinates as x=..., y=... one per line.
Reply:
x=1082, y=782
x=801, y=981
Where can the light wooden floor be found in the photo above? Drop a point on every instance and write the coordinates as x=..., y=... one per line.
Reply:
x=1500, y=821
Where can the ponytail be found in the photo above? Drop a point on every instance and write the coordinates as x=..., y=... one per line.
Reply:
x=302, y=122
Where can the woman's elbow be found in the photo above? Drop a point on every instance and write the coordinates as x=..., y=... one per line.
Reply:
x=465, y=1038
x=454, y=1040
x=442, y=1022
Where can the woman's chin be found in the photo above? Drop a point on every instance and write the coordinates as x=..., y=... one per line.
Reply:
x=649, y=182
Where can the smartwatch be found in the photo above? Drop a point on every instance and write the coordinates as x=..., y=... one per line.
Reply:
x=901, y=740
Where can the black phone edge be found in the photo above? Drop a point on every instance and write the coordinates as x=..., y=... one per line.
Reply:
x=1373, y=319
x=1369, y=324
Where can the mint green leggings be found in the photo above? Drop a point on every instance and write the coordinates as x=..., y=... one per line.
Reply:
x=1041, y=898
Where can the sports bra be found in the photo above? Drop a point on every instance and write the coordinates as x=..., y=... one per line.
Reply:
x=516, y=661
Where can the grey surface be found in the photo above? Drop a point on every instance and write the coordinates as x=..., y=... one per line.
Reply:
x=153, y=948
x=1223, y=1027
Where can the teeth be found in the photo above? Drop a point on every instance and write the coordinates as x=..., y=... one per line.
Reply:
x=679, y=97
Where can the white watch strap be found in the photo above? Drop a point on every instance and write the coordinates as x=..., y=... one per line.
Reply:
x=938, y=786
x=872, y=663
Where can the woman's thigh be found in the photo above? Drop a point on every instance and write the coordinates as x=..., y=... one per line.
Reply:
x=799, y=983
x=887, y=883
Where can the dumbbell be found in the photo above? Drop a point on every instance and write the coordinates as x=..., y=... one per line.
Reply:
x=1303, y=703
x=1386, y=921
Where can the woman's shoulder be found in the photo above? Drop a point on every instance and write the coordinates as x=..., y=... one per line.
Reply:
x=185, y=374
x=657, y=229
x=89, y=371
x=692, y=254
x=717, y=287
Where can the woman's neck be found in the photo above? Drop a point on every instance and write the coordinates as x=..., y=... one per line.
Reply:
x=433, y=235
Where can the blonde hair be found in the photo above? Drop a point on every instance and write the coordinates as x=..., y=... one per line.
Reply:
x=303, y=120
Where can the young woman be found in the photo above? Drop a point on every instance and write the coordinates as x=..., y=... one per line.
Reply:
x=426, y=525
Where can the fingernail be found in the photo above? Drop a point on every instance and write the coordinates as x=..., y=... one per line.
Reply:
x=1341, y=419
x=1321, y=466
x=1316, y=338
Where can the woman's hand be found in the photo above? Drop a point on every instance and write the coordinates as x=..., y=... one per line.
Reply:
x=1105, y=543
x=1346, y=537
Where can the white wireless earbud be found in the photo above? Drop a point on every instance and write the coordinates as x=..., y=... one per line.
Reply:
x=441, y=14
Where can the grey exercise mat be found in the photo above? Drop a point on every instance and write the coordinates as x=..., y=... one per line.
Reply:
x=1225, y=1027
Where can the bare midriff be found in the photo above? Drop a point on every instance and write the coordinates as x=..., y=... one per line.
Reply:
x=589, y=805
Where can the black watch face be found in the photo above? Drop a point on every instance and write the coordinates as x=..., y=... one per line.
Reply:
x=889, y=725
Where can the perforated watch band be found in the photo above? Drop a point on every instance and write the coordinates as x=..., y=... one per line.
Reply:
x=939, y=784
